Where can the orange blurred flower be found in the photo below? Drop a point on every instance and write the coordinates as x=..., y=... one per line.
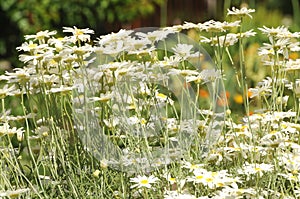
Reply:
x=203, y=93
x=293, y=55
x=238, y=98
x=249, y=94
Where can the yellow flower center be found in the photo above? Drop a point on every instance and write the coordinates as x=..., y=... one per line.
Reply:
x=194, y=166
x=293, y=177
x=257, y=169
x=162, y=96
x=209, y=179
x=172, y=179
x=199, y=177
x=145, y=181
x=143, y=121
x=78, y=32
x=294, y=171
x=220, y=184
x=31, y=46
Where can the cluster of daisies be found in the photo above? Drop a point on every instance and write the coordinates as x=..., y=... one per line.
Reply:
x=132, y=98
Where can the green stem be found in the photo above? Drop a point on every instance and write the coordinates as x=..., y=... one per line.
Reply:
x=27, y=136
x=296, y=12
x=243, y=72
x=163, y=13
x=3, y=109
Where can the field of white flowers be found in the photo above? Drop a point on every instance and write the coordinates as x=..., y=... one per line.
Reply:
x=144, y=114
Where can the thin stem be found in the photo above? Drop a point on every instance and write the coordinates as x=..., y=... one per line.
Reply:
x=243, y=72
x=27, y=139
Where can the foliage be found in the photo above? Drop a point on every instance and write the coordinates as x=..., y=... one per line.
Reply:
x=29, y=16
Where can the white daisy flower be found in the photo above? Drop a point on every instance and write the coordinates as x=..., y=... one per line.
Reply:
x=14, y=193
x=5, y=129
x=41, y=35
x=143, y=181
x=253, y=168
x=79, y=34
x=273, y=31
x=240, y=12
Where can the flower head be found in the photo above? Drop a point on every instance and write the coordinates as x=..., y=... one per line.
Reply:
x=259, y=169
x=191, y=166
x=40, y=36
x=143, y=181
x=31, y=47
x=185, y=51
x=240, y=12
x=79, y=34
x=273, y=31
x=8, y=91
x=14, y=193
x=178, y=195
x=5, y=129
x=263, y=88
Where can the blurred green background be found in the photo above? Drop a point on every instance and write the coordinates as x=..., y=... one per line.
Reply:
x=21, y=17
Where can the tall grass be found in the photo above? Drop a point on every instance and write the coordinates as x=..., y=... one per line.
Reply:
x=145, y=114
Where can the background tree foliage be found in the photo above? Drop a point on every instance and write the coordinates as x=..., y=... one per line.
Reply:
x=21, y=17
